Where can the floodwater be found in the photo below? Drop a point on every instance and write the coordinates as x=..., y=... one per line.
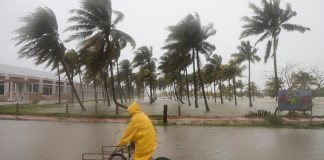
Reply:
x=216, y=109
x=34, y=140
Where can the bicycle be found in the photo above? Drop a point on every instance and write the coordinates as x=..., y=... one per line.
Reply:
x=109, y=153
x=113, y=153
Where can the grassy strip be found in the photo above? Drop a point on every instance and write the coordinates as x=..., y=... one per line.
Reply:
x=268, y=121
x=28, y=108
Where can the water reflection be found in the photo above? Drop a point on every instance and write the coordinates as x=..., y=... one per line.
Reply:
x=67, y=141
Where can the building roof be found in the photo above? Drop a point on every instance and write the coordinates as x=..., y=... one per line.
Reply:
x=20, y=71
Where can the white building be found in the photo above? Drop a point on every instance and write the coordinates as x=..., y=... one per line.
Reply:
x=19, y=84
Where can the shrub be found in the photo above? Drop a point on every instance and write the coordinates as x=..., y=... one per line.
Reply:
x=258, y=114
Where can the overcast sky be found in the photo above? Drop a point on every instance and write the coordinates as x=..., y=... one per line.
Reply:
x=146, y=22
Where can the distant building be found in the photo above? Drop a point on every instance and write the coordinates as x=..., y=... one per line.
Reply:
x=19, y=84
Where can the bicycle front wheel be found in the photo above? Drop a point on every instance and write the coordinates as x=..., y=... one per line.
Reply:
x=117, y=156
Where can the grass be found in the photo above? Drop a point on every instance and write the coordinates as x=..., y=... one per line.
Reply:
x=264, y=124
x=28, y=108
x=269, y=120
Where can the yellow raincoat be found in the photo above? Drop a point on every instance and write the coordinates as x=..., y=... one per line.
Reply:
x=141, y=132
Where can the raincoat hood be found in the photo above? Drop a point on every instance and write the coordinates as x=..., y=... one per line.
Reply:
x=133, y=109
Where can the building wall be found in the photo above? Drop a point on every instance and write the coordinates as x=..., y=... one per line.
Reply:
x=33, y=89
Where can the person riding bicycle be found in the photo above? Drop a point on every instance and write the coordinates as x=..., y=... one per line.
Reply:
x=141, y=132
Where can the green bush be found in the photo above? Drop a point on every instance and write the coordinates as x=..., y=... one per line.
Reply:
x=266, y=115
x=258, y=114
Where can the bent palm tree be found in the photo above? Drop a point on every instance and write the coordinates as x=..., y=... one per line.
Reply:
x=143, y=59
x=247, y=53
x=191, y=35
x=71, y=59
x=126, y=75
x=96, y=26
x=268, y=21
x=212, y=68
x=40, y=37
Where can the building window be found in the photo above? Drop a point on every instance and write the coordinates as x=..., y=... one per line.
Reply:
x=57, y=89
x=47, y=89
x=20, y=87
x=1, y=88
x=68, y=89
x=33, y=87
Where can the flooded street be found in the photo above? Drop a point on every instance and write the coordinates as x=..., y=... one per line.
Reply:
x=32, y=140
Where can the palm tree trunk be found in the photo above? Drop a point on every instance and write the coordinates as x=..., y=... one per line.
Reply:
x=275, y=45
x=180, y=88
x=118, y=84
x=145, y=88
x=129, y=88
x=138, y=93
x=221, y=91
x=123, y=94
x=188, y=96
x=105, y=77
x=211, y=91
x=170, y=92
x=113, y=88
x=81, y=86
x=229, y=90
x=95, y=90
x=72, y=85
x=103, y=92
x=175, y=92
x=241, y=93
x=151, y=90
x=107, y=86
x=215, y=90
x=194, y=77
x=132, y=88
x=59, y=81
x=72, y=91
x=201, y=82
x=250, y=84
x=234, y=87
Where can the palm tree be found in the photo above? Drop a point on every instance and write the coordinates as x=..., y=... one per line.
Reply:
x=96, y=26
x=240, y=85
x=177, y=59
x=220, y=77
x=191, y=35
x=247, y=53
x=172, y=64
x=233, y=70
x=126, y=75
x=212, y=68
x=143, y=59
x=78, y=64
x=228, y=73
x=56, y=65
x=71, y=59
x=40, y=37
x=139, y=82
x=268, y=21
x=96, y=69
x=254, y=89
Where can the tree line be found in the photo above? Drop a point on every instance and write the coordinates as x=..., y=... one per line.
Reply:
x=95, y=27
